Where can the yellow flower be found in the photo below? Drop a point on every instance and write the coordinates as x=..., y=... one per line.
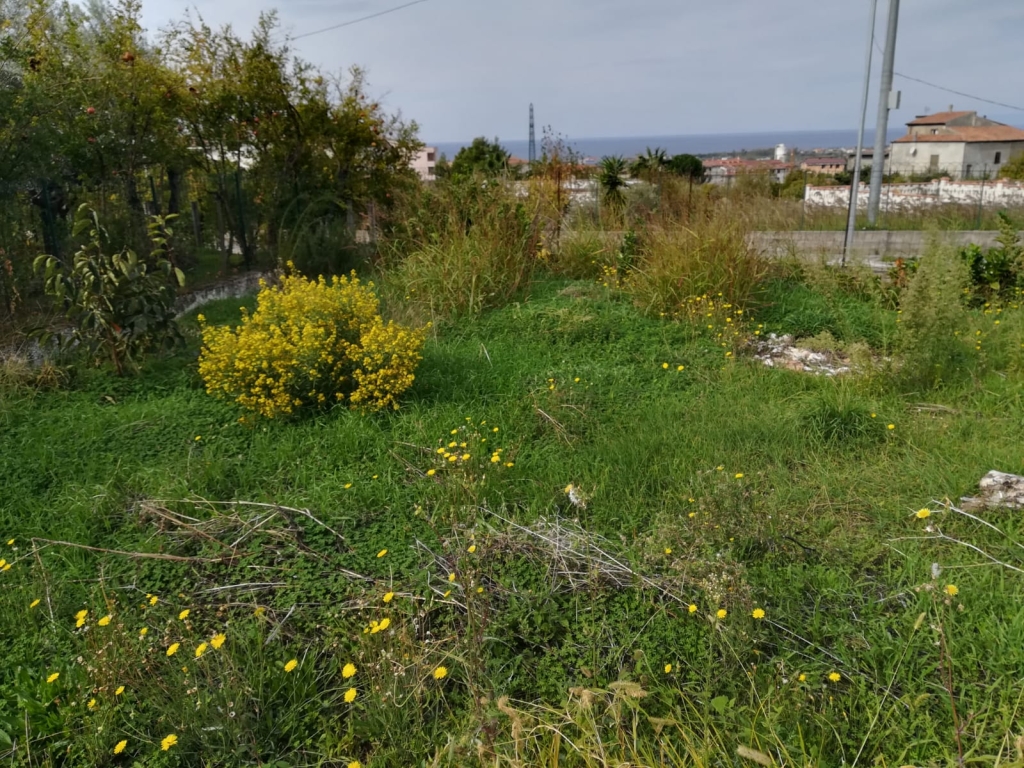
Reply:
x=173, y=649
x=53, y=676
x=218, y=640
x=952, y=590
x=153, y=600
x=91, y=704
x=291, y=665
x=384, y=624
x=668, y=550
x=835, y=677
x=184, y=614
x=119, y=691
x=891, y=426
x=34, y=603
x=923, y=513
x=168, y=741
x=722, y=613
x=692, y=608
x=260, y=610
x=382, y=553
x=80, y=616
x=719, y=468
x=739, y=475
x=802, y=677
x=440, y=673
x=355, y=764
x=350, y=695
x=668, y=669
x=389, y=596
x=104, y=621
x=347, y=486
x=349, y=670
x=451, y=576
x=10, y=543
x=680, y=368
x=144, y=631
x=198, y=438
x=665, y=366
x=472, y=548
x=509, y=464
x=494, y=430
x=431, y=472
x=119, y=747
x=201, y=649
x=758, y=613
x=479, y=590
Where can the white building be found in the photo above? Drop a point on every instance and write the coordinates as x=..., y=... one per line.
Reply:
x=959, y=144
x=425, y=163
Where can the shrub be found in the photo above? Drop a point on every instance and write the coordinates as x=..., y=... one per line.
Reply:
x=710, y=257
x=311, y=344
x=997, y=271
x=120, y=305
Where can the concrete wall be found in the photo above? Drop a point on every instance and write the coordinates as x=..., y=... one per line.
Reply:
x=425, y=163
x=909, y=197
x=915, y=157
x=866, y=245
x=982, y=157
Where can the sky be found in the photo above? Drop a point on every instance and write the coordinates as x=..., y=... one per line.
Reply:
x=610, y=68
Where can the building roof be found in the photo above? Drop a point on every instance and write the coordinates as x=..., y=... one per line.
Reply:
x=968, y=135
x=939, y=118
x=825, y=161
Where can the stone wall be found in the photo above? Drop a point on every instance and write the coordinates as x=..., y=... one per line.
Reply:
x=914, y=196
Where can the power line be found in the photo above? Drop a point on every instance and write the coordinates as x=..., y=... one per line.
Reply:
x=958, y=93
x=357, y=21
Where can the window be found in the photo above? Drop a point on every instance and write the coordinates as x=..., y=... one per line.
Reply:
x=999, y=157
x=430, y=157
x=933, y=163
x=935, y=131
x=967, y=172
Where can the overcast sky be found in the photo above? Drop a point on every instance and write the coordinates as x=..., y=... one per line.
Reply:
x=605, y=68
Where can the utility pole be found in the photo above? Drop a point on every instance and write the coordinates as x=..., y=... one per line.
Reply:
x=851, y=222
x=887, y=99
x=533, y=139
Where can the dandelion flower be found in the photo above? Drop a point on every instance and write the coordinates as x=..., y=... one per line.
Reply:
x=668, y=669
x=10, y=543
x=53, y=676
x=665, y=366
x=465, y=457
x=890, y=426
x=451, y=576
x=119, y=747
x=509, y=464
x=168, y=741
x=472, y=548
x=952, y=590
x=802, y=677
x=739, y=475
x=668, y=550
x=758, y=613
x=923, y=513
x=201, y=649
x=260, y=610
x=495, y=458
x=144, y=631
x=681, y=368
x=291, y=665
x=184, y=614
x=431, y=472
x=692, y=608
x=440, y=673
x=218, y=640
x=349, y=670
x=173, y=649
x=479, y=590
x=447, y=594
x=104, y=621
x=91, y=704
x=34, y=603
x=350, y=695
x=382, y=553
x=355, y=764
x=119, y=691
x=384, y=624
x=722, y=613
x=153, y=600
x=389, y=596
x=80, y=616
x=719, y=468
x=347, y=486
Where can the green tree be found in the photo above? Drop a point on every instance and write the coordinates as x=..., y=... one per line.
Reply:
x=487, y=158
x=650, y=165
x=612, y=178
x=1014, y=169
x=687, y=166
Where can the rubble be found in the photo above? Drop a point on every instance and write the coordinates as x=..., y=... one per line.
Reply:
x=781, y=352
x=997, y=489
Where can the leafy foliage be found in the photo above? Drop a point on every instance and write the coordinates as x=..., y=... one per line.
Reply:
x=612, y=178
x=483, y=157
x=687, y=166
x=311, y=344
x=120, y=305
x=996, y=272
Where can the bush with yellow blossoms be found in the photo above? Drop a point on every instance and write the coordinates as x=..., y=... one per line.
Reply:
x=311, y=344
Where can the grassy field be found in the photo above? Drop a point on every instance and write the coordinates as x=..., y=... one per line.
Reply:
x=647, y=549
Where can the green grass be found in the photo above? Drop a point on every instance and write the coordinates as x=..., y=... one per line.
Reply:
x=819, y=531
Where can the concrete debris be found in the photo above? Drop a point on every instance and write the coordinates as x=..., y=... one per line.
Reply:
x=780, y=352
x=997, y=489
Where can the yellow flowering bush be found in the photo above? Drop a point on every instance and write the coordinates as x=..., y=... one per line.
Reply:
x=311, y=343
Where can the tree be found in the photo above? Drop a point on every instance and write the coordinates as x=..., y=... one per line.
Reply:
x=611, y=177
x=482, y=157
x=687, y=166
x=650, y=165
x=1014, y=169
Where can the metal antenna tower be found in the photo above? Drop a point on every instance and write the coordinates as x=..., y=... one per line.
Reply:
x=533, y=139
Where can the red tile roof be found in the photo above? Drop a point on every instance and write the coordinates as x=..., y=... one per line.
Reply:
x=972, y=135
x=825, y=161
x=939, y=118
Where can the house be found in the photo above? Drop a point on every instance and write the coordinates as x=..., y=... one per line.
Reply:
x=867, y=156
x=425, y=163
x=724, y=170
x=960, y=144
x=825, y=165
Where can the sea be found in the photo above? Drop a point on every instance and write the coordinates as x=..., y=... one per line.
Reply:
x=593, y=149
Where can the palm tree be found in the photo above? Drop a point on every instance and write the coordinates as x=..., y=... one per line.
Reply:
x=650, y=164
x=611, y=178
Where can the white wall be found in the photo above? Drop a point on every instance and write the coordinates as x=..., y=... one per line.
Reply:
x=983, y=156
x=906, y=160
x=905, y=197
x=424, y=165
